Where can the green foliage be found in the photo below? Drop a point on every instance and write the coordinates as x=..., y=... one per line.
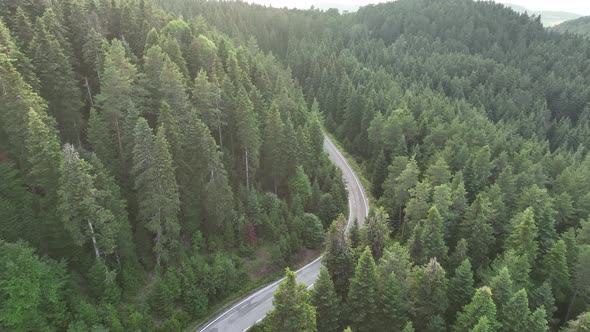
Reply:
x=32, y=289
x=481, y=305
x=461, y=288
x=363, y=294
x=326, y=302
x=338, y=256
x=293, y=311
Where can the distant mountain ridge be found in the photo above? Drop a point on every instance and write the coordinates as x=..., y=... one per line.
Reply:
x=549, y=18
x=580, y=26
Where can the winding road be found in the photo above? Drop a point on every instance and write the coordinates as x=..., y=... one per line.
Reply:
x=254, y=307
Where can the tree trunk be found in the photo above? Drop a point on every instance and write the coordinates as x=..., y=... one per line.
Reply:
x=247, y=171
x=96, y=251
x=118, y=132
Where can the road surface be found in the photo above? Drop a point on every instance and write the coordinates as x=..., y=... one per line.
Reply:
x=254, y=307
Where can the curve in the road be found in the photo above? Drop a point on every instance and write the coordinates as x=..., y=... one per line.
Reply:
x=241, y=316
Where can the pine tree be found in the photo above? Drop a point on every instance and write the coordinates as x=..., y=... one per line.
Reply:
x=555, y=270
x=326, y=302
x=522, y=239
x=293, y=311
x=516, y=314
x=338, y=257
x=461, y=289
x=157, y=191
x=481, y=305
x=362, y=296
x=394, y=312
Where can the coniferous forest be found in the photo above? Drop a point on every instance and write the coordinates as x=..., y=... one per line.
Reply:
x=159, y=158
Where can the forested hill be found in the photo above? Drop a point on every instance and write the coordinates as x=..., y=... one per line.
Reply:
x=151, y=168
x=472, y=122
x=158, y=158
x=580, y=26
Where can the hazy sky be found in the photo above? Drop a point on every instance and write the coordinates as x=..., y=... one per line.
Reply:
x=575, y=6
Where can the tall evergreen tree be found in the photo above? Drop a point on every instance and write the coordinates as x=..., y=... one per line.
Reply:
x=326, y=303
x=461, y=289
x=293, y=311
x=477, y=230
x=394, y=313
x=117, y=107
x=377, y=231
x=428, y=287
x=516, y=314
x=157, y=190
x=363, y=298
x=338, y=257
x=481, y=305
x=522, y=239
x=83, y=216
x=555, y=270
x=57, y=81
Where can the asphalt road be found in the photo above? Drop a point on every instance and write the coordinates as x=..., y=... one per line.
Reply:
x=254, y=307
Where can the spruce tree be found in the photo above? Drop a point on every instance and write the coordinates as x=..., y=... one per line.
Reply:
x=394, y=312
x=477, y=230
x=502, y=288
x=522, y=239
x=483, y=325
x=292, y=309
x=117, y=107
x=377, y=231
x=481, y=305
x=57, y=81
x=538, y=321
x=461, y=289
x=157, y=190
x=46, y=160
x=555, y=269
x=363, y=294
x=516, y=314
x=326, y=303
x=338, y=257
x=83, y=216
x=427, y=291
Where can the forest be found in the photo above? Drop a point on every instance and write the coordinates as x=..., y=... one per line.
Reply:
x=154, y=152
x=580, y=26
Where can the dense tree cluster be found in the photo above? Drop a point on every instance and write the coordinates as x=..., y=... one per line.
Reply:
x=471, y=122
x=580, y=26
x=144, y=154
